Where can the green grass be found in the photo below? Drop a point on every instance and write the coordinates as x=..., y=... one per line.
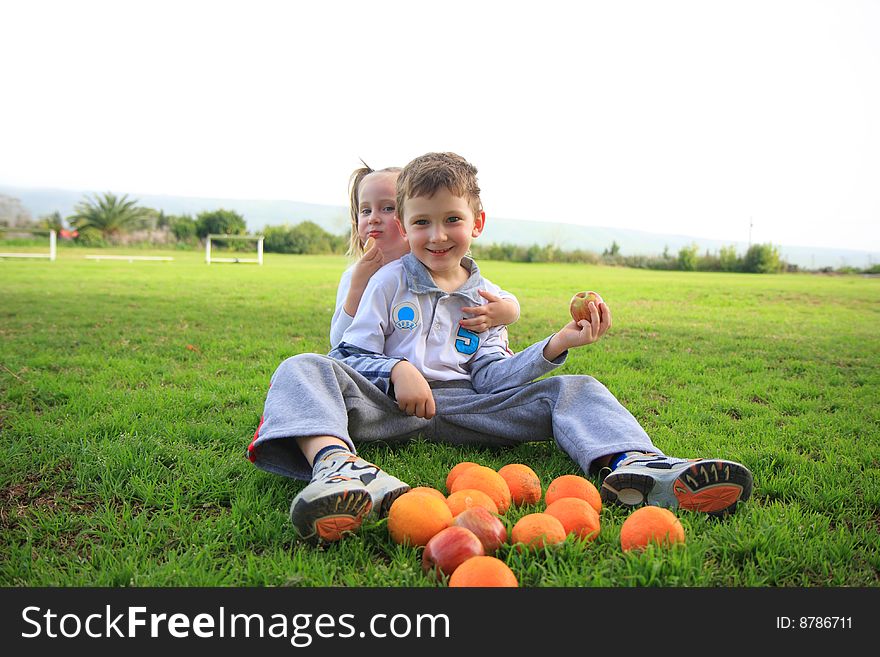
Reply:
x=129, y=391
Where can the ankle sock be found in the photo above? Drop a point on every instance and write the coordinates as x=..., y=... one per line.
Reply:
x=620, y=458
x=326, y=450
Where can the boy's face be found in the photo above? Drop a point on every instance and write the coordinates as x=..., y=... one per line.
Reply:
x=440, y=229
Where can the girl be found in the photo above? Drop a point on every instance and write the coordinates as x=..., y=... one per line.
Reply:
x=376, y=240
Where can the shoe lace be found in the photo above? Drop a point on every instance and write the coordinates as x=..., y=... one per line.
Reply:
x=344, y=469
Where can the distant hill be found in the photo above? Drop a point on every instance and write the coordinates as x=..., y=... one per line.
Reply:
x=258, y=214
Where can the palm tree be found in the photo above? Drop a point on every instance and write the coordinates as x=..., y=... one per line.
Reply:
x=108, y=214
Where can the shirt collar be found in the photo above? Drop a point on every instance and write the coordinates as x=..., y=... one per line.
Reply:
x=419, y=280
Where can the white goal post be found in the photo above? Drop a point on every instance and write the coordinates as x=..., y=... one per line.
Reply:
x=130, y=258
x=258, y=238
x=24, y=231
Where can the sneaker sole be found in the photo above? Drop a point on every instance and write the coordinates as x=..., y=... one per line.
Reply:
x=330, y=517
x=708, y=486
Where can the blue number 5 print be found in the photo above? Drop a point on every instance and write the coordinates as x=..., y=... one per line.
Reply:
x=467, y=341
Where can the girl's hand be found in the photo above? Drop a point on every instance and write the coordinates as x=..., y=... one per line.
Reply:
x=497, y=312
x=369, y=263
x=363, y=270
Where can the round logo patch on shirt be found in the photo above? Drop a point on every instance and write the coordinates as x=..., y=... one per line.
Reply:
x=405, y=315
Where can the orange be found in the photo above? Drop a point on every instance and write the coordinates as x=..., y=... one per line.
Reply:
x=468, y=497
x=483, y=571
x=524, y=484
x=427, y=490
x=577, y=517
x=414, y=518
x=457, y=470
x=537, y=530
x=573, y=486
x=650, y=524
x=486, y=480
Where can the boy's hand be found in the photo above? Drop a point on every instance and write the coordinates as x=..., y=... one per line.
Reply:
x=414, y=396
x=578, y=334
x=497, y=312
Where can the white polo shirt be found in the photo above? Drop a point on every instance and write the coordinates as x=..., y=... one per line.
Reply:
x=404, y=315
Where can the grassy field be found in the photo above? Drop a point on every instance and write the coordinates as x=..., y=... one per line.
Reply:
x=129, y=391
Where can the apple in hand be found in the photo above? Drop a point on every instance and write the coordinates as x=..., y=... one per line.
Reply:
x=487, y=527
x=450, y=548
x=579, y=305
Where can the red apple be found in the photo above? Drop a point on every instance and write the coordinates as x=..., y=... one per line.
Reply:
x=579, y=305
x=449, y=548
x=482, y=522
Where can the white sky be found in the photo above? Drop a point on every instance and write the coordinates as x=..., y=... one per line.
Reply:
x=667, y=116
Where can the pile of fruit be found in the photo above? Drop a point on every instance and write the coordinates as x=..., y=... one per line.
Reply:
x=462, y=532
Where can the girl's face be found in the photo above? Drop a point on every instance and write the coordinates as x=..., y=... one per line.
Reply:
x=376, y=205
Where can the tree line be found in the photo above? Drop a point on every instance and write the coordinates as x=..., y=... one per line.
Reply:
x=108, y=219
x=759, y=258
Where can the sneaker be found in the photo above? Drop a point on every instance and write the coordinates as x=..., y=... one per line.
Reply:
x=335, y=502
x=343, y=491
x=383, y=488
x=713, y=486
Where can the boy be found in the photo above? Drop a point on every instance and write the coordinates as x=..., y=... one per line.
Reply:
x=406, y=367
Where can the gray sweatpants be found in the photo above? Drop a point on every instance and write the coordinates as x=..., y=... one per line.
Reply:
x=313, y=395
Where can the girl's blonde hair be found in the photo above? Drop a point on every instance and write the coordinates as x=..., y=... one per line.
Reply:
x=355, y=246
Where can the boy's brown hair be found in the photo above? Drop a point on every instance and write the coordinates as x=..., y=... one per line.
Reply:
x=429, y=173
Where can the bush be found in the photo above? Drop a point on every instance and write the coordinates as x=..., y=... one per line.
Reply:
x=687, y=258
x=709, y=262
x=728, y=259
x=304, y=237
x=614, y=260
x=220, y=222
x=762, y=259
x=652, y=262
x=533, y=253
x=91, y=237
x=183, y=227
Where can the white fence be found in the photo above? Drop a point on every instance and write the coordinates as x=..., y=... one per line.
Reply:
x=50, y=255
